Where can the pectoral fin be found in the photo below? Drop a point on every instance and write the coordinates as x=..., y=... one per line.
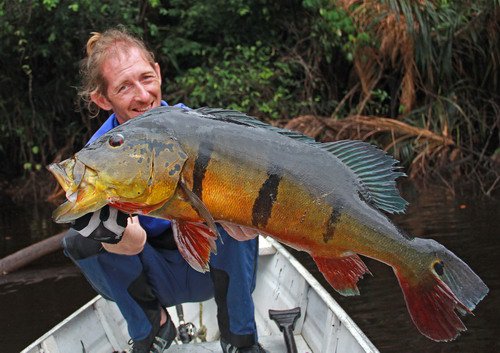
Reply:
x=195, y=242
x=200, y=208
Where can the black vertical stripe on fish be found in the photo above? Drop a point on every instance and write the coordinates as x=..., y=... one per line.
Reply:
x=263, y=205
x=200, y=166
x=331, y=224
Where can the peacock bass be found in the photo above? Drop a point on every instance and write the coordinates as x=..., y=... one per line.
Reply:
x=207, y=166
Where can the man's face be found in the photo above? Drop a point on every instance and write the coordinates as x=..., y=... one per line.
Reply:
x=133, y=85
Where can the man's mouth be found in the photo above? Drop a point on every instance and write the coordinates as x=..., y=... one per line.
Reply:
x=144, y=109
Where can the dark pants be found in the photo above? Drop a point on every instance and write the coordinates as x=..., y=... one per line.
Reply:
x=138, y=283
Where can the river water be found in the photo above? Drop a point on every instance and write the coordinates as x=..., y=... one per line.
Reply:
x=36, y=298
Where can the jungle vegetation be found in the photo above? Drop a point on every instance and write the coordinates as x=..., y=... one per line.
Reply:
x=418, y=78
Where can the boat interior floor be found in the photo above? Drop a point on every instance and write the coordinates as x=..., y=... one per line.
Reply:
x=273, y=343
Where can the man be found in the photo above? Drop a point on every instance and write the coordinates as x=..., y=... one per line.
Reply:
x=135, y=261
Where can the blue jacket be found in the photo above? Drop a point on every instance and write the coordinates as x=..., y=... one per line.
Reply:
x=153, y=226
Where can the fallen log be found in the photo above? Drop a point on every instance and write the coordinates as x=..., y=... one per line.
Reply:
x=31, y=253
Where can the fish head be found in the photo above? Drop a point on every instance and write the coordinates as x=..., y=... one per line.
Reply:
x=135, y=171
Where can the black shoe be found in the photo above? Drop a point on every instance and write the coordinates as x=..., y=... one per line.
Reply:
x=229, y=348
x=160, y=338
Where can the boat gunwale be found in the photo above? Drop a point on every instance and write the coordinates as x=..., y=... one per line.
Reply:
x=331, y=303
x=87, y=306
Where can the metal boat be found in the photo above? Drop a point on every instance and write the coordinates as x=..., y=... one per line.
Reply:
x=304, y=318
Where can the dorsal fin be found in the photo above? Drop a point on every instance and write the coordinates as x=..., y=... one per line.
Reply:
x=236, y=117
x=376, y=171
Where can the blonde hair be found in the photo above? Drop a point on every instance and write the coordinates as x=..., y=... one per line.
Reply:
x=99, y=47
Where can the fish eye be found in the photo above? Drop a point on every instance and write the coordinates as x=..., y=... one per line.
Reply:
x=439, y=267
x=116, y=140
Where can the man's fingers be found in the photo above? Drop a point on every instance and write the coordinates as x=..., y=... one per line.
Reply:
x=133, y=220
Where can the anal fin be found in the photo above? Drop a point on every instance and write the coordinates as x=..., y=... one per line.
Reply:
x=195, y=242
x=342, y=273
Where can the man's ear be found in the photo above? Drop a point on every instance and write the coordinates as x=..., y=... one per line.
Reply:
x=101, y=101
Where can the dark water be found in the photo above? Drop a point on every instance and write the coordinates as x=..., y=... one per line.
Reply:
x=468, y=226
x=35, y=299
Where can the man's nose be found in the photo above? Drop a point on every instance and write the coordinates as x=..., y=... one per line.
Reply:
x=141, y=93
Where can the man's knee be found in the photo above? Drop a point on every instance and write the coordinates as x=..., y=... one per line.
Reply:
x=78, y=247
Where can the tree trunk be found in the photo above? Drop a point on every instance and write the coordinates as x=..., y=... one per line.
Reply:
x=29, y=254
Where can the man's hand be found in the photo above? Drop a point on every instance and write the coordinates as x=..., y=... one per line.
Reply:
x=132, y=241
x=118, y=233
x=105, y=225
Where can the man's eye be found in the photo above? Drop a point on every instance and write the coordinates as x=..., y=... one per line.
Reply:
x=122, y=89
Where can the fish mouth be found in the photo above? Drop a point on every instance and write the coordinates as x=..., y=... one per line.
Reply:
x=60, y=174
x=69, y=183
x=80, y=200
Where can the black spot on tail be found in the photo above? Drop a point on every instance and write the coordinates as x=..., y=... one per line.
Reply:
x=439, y=267
x=263, y=205
x=200, y=167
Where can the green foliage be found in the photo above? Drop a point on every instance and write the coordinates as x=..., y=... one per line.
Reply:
x=41, y=44
x=247, y=79
x=334, y=28
x=269, y=58
x=457, y=55
x=264, y=57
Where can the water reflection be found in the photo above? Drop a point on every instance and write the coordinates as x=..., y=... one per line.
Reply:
x=37, y=298
x=30, y=308
x=22, y=226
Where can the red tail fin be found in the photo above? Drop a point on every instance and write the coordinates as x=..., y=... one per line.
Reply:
x=435, y=298
x=432, y=306
x=342, y=273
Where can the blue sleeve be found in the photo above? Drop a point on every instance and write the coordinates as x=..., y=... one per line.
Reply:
x=109, y=124
x=154, y=226
x=182, y=105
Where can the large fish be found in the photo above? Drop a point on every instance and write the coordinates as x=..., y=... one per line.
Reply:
x=198, y=167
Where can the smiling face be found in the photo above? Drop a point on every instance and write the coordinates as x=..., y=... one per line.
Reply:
x=133, y=84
